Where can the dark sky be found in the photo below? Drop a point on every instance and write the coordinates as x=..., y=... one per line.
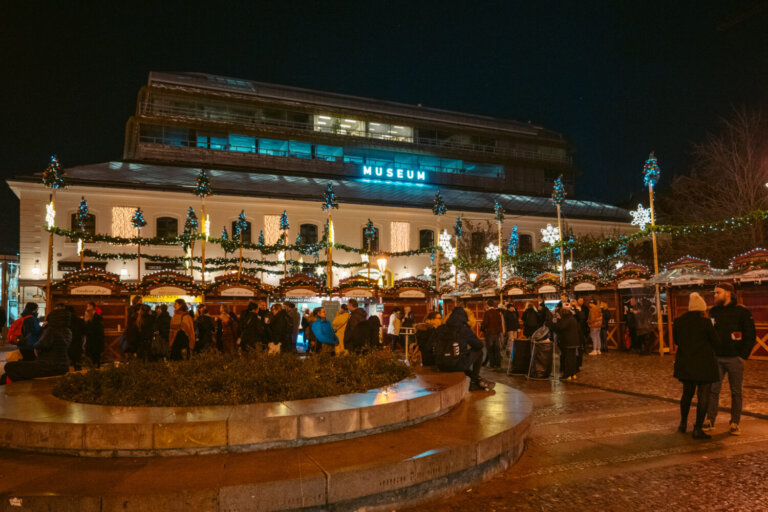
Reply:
x=616, y=78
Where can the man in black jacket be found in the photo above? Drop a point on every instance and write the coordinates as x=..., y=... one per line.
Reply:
x=457, y=348
x=736, y=336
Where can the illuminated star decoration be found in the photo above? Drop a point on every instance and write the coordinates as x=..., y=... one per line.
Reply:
x=550, y=235
x=203, y=187
x=79, y=246
x=498, y=210
x=568, y=266
x=427, y=271
x=438, y=206
x=492, y=252
x=329, y=200
x=651, y=171
x=514, y=242
x=641, y=217
x=558, y=192
x=50, y=215
x=458, y=228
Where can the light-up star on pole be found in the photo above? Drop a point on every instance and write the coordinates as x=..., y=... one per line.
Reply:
x=641, y=217
x=550, y=235
x=492, y=252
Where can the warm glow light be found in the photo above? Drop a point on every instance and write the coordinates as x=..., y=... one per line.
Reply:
x=319, y=270
x=281, y=256
x=568, y=266
x=492, y=252
x=381, y=262
x=364, y=258
x=271, y=229
x=121, y=222
x=36, y=268
x=400, y=236
x=207, y=226
x=123, y=272
x=50, y=215
x=427, y=271
x=550, y=235
x=331, y=236
x=79, y=246
x=472, y=276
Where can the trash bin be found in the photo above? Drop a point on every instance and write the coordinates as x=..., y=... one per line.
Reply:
x=520, y=358
x=541, y=360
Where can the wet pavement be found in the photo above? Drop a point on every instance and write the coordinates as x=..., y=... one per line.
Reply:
x=617, y=448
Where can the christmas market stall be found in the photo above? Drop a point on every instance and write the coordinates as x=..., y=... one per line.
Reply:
x=410, y=292
x=165, y=286
x=587, y=283
x=106, y=291
x=235, y=290
x=517, y=292
x=750, y=271
x=546, y=287
x=631, y=283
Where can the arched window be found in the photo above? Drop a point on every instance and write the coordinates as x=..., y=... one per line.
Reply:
x=526, y=243
x=246, y=232
x=308, y=233
x=90, y=224
x=426, y=238
x=374, y=240
x=166, y=227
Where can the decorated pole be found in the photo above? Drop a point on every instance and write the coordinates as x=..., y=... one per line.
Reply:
x=138, y=222
x=190, y=228
x=458, y=230
x=369, y=231
x=558, y=196
x=261, y=244
x=284, y=227
x=240, y=225
x=82, y=218
x=329, y=203
x=651, y=174
x=438, y=208
x=202, y=190
x=53, y=178
x=499, y=211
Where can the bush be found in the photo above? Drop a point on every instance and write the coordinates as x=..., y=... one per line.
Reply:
x=218, y=379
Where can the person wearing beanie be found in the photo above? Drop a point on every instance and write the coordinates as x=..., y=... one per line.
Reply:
x=695, y=362
x=736, y=335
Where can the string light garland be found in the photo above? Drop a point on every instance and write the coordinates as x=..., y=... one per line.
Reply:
x=284, y=226
x=458, y=228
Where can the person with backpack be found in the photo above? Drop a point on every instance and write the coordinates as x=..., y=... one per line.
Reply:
x=530, y=320
x=25, y=332
x=458, y=349
x=424, y=338
x=52, y=358
x=77, y=326
x=512, y=325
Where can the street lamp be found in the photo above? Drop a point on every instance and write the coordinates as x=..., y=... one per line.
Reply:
x=381, y=262
x=472, y=277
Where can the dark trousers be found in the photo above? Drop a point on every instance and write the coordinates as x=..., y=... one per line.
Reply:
x=28, y=354
x=475, y=363
x=604, y=338
x=702, y=390
x=734, y=367
x=28, y=370
x=95, y=357
x=493, y=350
x=179, y=344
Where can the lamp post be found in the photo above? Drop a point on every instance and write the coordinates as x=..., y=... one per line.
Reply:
x=651, y=174
x=558, y=196
x=499, y=210
x=438, y=208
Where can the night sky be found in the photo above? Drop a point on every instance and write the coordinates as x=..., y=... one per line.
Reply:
x=617, y=79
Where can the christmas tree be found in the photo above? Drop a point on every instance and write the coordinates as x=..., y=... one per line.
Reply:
x=190, y=224
x=438, y=206
x=203, y=188
x=261, y=238
x=329, y=200
x=53, y=176
x=370, y=231
x=458, y=228
x=651, y=171
x=284, y=226
x=299, y=240
x=498, y=210
x=138, y=219
x=82, y=214
x=558, y=191
x=240, y=226
x=514, y=242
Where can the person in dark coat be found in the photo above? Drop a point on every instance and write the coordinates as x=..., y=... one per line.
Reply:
x=163, y=321
x=205, y=329
x=295, y=317
x=469, y=346
x=145, y=323
x=281, y=328
x=132, y=334
x=569, y=338
x=52, y=347
x=253, y=330
x=77, y=326
x=30, y=332
x=695, y=362
x=94, y=334
x=356, y=317
x=530, y=320
x=424, y=339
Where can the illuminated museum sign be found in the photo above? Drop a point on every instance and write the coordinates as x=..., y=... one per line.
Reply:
x=392, y=173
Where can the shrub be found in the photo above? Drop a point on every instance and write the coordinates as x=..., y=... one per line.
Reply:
x=219, y=379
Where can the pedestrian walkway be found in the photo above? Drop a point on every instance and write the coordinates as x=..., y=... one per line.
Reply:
x=619, y=450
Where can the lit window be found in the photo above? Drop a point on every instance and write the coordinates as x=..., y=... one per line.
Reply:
x=400, y=233
x=271, y=229
x=121, y=221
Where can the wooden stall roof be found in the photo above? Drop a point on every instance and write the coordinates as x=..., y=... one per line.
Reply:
x=90, y=281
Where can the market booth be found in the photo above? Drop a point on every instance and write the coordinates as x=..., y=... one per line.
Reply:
x=631, y=281
x=547, y=289
x=106, y=291
x=517, y=292
x=750, y=272
x=418, y=294
x=235, y=290
x=587, y=283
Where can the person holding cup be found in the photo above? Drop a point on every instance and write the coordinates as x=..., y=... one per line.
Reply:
x=735, y=329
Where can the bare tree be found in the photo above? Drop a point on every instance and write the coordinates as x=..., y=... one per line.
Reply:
x=730, y=170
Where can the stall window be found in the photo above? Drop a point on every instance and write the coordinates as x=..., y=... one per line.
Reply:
x=374, y=240
x=246, y=232
x=426, y=238
x=90, y=224
x=308, y=233
x=166, y=227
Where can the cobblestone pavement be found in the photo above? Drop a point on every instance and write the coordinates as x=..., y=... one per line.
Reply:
x=619, y=450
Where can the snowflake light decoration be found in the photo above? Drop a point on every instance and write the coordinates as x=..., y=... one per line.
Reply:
x=550, y=235
x=445, y=240
x=427, y=271
x=641, y=217
x=492, y=252
x=619, y=264
x=568, y=266
x=450, y=252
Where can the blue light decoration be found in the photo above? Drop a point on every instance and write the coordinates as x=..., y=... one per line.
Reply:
x=651, y=171
x=458, y=228
x=190, y=224
x=224, y=234
x=438, y=206
x=284, y=226
x=498, y=210
x=261, y=238
x=203, y=187
x=558, y=191
x=137, y=220
x=329, y=200
x=299, y=240
x=514, y=242
x=394, y=174
x=370, y=231
x=240, y=226
x=82, y=214
x=53, y=175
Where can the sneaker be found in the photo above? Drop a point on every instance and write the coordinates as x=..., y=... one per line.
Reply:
x=699, y=434
x=487, y=384
x=475, y=386
x=593, y=353
x=708, y=426
x=734, y=430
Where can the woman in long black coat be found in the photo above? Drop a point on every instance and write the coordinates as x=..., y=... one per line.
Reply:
x=695, y=362
x=569, y=339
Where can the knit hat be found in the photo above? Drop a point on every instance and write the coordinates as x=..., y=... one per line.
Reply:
x=696, y=303
x=727, y=287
